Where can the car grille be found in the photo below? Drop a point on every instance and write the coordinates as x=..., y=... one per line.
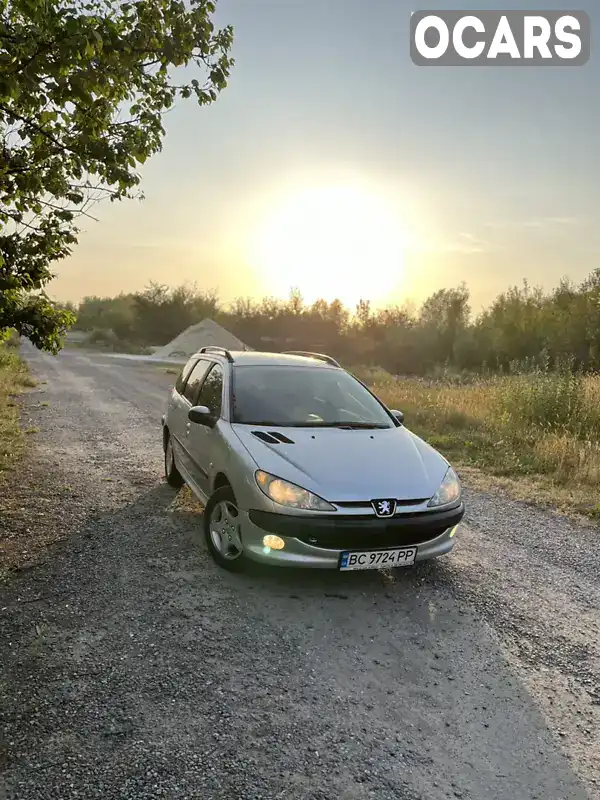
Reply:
x=367, y=507
x=361, y=538
x=360, y=531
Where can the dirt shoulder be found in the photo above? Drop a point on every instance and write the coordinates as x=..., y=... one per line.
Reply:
x=40, y=504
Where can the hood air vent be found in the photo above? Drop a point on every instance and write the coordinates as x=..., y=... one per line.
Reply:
x=272, y=437
x=281, y=437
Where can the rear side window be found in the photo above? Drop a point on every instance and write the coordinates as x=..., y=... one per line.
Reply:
x=211, y=394
x=180, y=382
x=194, y=382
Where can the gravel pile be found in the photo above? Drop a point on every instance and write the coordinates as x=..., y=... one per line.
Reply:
x=203, y=334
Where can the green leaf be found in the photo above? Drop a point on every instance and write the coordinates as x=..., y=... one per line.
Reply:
x=68, y=134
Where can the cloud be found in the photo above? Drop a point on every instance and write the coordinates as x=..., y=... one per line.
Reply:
x=535, y=222
x=465, y=243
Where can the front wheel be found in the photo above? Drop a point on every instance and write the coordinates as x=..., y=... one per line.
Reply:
x=221, y=522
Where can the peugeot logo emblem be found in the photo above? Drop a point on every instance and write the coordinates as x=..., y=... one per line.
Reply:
x=384, y=508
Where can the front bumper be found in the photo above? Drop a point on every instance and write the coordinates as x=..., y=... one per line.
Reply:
x=317, y=542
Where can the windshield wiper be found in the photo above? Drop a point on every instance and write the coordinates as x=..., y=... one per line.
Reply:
x=316, y=424
x=342, y=424
x=267, y=423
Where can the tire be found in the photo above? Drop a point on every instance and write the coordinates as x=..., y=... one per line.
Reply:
x=172, y=475
x=222, y=539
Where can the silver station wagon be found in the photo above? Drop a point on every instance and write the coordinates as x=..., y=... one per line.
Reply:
x=299, y=464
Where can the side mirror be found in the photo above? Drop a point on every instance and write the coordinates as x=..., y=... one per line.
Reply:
x=399, y=416
x=201, y=416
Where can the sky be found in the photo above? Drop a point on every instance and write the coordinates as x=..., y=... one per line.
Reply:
x=333, y=164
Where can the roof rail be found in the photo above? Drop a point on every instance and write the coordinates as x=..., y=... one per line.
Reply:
x=221, y=350
x=319, y=356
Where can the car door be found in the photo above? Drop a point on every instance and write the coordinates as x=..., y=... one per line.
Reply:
x=184, y=395
x=201, y=439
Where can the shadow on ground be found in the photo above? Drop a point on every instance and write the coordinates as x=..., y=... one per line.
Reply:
x=135, y=667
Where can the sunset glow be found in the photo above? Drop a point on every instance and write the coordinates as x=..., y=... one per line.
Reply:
x=334, y=241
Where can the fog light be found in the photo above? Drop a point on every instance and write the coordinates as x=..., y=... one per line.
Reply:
x=452, y=532
x=273, y=542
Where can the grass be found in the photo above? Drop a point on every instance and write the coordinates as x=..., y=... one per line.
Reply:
x=14, y=379
x=536, y=435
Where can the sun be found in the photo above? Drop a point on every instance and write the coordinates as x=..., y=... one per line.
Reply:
x=335, y=241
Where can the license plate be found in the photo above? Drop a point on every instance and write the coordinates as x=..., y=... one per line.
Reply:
x=378, y=559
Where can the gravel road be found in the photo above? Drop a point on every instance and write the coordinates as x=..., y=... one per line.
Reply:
x=133, y=668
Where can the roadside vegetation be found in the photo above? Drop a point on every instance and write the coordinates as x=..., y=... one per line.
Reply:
x=536, y=434
x=14, y=379
x=522, y=329
x=512, y=395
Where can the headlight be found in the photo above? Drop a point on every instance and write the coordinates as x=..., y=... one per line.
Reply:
x=449, y=490
x=288, y=494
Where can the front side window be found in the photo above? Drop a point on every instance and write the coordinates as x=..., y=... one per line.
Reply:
x=293, y=396
x=194, y=382
x=211, y=393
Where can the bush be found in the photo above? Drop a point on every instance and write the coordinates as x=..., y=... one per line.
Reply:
x=9, y=338
x=552, y=402
x=102, y=338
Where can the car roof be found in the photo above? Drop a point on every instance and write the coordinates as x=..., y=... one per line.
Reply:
x=256, y=358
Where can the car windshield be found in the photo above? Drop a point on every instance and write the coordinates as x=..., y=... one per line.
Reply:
x=290, y=396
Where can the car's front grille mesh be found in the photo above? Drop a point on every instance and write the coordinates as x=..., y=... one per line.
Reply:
x=367, y=503
x=359, y=531
x=348, y=538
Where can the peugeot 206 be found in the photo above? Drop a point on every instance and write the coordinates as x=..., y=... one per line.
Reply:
x=299, y=464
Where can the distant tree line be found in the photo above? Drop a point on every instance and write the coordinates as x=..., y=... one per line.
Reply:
x=523, y=326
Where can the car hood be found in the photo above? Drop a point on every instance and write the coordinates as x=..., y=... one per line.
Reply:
x=349, y=465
